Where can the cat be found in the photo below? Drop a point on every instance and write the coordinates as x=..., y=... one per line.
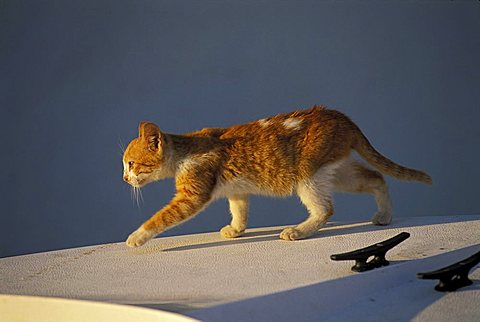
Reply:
x=306, y=152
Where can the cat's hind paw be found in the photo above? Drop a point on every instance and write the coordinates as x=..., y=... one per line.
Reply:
x=382, y=218
x=229, y=232
x=139, y=237
x=291, y=233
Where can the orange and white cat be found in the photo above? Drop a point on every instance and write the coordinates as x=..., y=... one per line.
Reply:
x=305, y=152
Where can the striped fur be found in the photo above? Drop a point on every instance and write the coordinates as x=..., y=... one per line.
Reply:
x=306, y=152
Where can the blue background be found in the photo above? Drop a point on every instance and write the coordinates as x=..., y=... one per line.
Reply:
x=76, y=77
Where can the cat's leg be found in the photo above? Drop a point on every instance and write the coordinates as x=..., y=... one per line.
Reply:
x=239, y=210
x=179, y=209
x=315, y=194
x=186, y=204
x=353, y=176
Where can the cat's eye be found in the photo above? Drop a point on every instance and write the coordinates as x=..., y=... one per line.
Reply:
x=130, y=164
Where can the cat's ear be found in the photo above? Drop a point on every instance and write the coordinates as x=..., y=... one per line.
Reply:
x=151, y=134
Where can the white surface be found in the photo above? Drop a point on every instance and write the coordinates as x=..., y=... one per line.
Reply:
x=202, y=271
x=387, y=294
x=42, y=309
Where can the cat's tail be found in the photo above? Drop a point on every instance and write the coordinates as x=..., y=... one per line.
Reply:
x=385, y=165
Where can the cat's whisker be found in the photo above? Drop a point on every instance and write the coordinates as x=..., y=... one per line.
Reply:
x=121, y=145
x=137, y=196
x=134, y=195
x=141, y=195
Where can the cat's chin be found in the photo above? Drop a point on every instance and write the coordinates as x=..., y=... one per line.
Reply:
x=140, y=184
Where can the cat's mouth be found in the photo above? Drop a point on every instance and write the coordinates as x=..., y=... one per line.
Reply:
x=136, y=184
x=139, y=183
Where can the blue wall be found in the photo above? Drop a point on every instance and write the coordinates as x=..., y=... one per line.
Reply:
x=76, y=77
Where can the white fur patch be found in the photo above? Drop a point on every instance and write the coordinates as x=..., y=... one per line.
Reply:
x=264, y=122
x=315, y=194
x=187, y=164
x=239, y=186
x=292, y=123
x=192, y=162
x=320, y=185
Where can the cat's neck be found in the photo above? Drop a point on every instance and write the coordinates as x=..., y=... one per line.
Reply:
x=180, y=148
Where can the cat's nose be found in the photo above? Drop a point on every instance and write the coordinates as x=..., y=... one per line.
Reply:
x=125, y=178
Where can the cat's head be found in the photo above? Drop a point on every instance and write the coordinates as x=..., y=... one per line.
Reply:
x=144, y=157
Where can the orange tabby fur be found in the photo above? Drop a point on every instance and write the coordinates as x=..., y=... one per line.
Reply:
x=307, y=152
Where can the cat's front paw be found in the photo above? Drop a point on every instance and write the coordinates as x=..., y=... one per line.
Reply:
x=229, y=232
x=291, y=233
x=139, y=237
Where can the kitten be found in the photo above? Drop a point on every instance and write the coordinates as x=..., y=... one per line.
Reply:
x=306, y=152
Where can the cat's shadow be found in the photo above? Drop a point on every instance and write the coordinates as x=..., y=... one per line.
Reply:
x=330, y=229
x=271, y=235
x=248, y=237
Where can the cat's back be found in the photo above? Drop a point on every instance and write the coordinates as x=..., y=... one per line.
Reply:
x=281, y=126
